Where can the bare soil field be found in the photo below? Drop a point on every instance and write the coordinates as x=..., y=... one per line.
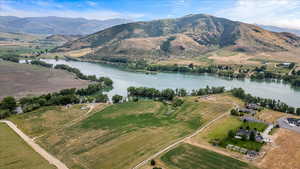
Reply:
x=285, y=153
x=21, y=80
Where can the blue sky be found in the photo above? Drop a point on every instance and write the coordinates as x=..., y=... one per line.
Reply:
x=284, y=13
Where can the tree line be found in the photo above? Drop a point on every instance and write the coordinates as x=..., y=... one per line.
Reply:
x=93, y=93
x=169, y=94
x=276, y=105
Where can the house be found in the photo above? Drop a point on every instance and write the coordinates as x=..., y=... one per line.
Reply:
x=246, y=134
x=293, y=122
x=286, y=64
x=248, y=111
x=252, y=106
x=252, y=153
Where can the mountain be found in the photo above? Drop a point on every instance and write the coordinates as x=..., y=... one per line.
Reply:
x=280, y=29
x=63, y=38
x=55, y=25
x=188, y=36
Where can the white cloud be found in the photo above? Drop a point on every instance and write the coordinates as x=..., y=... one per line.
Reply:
x=91, y=3
x=282, y=13
x=8, y=9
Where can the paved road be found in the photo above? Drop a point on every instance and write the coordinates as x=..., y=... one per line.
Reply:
x=51, y=159
x=283, y=124
x=178, y=142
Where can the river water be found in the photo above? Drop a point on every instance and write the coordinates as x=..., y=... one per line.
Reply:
x=123, y=79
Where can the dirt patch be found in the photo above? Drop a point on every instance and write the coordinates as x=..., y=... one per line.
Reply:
x=284, y=153
x=21, y=80
x=271, y=116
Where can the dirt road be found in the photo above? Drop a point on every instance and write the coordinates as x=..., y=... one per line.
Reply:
x=178, y=142
x=51, y=159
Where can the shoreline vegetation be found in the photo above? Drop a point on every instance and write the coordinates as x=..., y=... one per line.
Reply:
x=228, y=71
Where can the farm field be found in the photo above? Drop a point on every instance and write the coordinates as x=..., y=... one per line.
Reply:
x=21, y=79
x=187, y=156
x=15, y=153
x=119, y=135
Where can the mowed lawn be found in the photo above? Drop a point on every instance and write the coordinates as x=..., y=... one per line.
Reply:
x=187, y=156
x=16, y=154
x=118, y=136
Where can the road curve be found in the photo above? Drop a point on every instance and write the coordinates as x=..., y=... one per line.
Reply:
x=178, y=142
x=51, y=159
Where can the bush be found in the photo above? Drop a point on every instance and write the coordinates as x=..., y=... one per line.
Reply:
x=117, y=98
x=177, y=102
x=8, y=103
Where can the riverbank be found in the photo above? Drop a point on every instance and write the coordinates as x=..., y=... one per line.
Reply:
x=263, y=72
x=162, y=80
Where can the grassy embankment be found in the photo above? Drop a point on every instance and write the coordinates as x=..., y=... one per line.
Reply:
x=15, y=153
x=120, y=135
x=191, y=157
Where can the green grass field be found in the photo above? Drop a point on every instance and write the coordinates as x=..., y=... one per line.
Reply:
x=259, y=126
x=16, y=154
x=187, y=156
x=221, y=128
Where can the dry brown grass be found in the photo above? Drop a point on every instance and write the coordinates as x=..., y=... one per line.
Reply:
x=285, y=153
x=271, y=116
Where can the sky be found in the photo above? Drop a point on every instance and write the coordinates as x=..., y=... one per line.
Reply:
x=282, y=13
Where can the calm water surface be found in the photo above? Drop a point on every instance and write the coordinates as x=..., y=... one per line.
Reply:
x=123, y=79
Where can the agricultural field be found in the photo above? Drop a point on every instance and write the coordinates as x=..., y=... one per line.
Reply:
x=15, y=153
x=187, y=156
x=21, y=79
x=119, y=135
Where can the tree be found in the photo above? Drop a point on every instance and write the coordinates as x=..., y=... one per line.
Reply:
x=298, y=111
x=101, y=98
x=234, y=112
x=152, y=162
x=167, y=94
x=252, y=136
x=9, y=103
x=177, y=102
x=117, y=98
x=231, y=134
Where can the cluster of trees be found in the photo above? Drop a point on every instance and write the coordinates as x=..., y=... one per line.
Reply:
x=10, y=58
x=7, y=107
x=276, y=105
x=93, y=93
x=169, y=94
x=208, y=90
x=152, y=93
x=41, y=63
x=105, y=80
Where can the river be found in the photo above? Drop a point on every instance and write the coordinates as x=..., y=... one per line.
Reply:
x=123, y=79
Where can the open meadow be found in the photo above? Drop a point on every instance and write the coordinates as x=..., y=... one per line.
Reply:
x=15, y=153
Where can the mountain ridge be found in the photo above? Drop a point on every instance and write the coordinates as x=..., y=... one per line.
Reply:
x=187, y=36
x=55, y=25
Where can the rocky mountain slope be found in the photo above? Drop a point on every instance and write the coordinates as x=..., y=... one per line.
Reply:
x=188, y=36
x=55, y=25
